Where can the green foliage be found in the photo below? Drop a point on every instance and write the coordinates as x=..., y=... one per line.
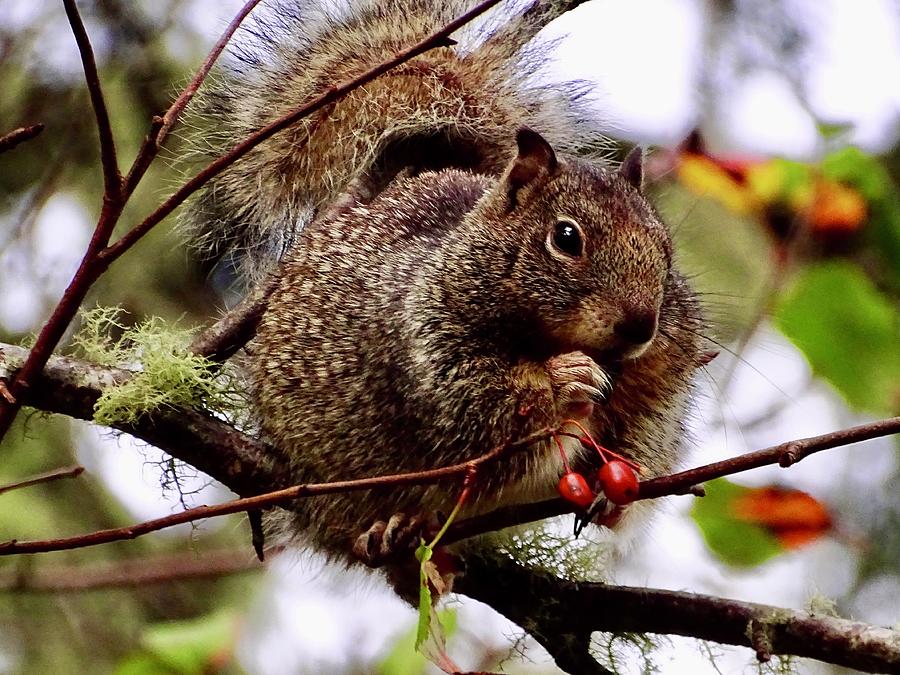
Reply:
x=404, y=659
x=777, y=665
x=713, y=246
x=192, y=647
x=424, y=625
x=168, y=373
x=848, y=331
x=616, y=650
x=867, y=175
x=548, y=546
x=734, y=541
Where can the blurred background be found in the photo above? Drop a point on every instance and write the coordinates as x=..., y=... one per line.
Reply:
x=775, y=161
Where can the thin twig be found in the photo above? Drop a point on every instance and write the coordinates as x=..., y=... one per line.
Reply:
x=221, y=340
x=13, y=138
x=784, y=454
x=275, y=498
x=130, y=573
x=46, y=477
x=112, y=179
x=161, y=126
x=90, y=267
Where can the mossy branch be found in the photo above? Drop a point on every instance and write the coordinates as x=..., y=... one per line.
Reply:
x=560, y=613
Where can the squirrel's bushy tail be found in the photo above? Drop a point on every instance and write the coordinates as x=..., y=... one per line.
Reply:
x=450, y=107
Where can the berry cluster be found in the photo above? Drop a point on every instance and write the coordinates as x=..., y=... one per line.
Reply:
x=617, y=478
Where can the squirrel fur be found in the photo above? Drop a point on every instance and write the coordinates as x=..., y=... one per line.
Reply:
x=443, y=109
x=484, y=280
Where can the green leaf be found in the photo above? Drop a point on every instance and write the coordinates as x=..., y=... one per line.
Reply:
x=869, y=176
x=848, y=331
x=183, y=647
x=734, y=541
x=854, y=167
x=424, y=624
x=404, y=659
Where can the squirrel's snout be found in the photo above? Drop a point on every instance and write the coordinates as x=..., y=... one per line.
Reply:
x=636, y=329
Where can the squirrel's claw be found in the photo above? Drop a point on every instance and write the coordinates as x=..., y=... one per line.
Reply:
x=386, y=541
x=578, y=383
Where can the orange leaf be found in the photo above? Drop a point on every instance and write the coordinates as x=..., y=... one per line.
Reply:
x=836, y=208
x=794, y=517
x=705, y=177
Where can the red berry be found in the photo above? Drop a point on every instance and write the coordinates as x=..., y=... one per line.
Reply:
x=574, y=489
x=619, y=482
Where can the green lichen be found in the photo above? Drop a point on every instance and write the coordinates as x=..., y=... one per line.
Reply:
x=95, y=339
x=166, y=373
x=779, y=664
x=619, y=652
x=549, y=547
x=822, y=605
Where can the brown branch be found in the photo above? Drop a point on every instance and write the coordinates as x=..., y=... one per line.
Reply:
x=13, y=138
x=112, y=179
x=46, y=477
x=134, y=573
x=247, y=466
x=784, y=454
x=71, y=387
x=99, y=256
x=554, y=611
x=161, y=126
x=268, y=499
x=438, y=39
x=220, y=341
x=90, y=267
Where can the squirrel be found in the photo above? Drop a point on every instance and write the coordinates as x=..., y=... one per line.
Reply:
x=484, y=276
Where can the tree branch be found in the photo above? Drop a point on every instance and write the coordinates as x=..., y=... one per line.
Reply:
x=558, y=613
x=249, y=467
x=71, y=387
x=552, y=610
x=784, y=454
x=161, y=126
x=267, y=500
x=46, y=477
x=226, y=336
x=112, y=179
x=128, y=573
x=438, y=39
x=10, y=140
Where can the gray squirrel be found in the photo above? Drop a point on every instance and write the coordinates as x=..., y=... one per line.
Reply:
x=484, y=276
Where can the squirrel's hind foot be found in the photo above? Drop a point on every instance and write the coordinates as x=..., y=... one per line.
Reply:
x=386, y=542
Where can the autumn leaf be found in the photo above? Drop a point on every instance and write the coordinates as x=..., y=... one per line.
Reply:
x=836, y=208
x=794, y=517
x=746, y=526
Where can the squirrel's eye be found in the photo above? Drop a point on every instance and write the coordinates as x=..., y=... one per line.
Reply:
x=566, y=238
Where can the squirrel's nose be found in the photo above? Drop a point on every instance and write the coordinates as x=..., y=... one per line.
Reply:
x=637, y=326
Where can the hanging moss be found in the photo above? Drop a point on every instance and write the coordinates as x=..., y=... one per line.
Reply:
x=166, y=373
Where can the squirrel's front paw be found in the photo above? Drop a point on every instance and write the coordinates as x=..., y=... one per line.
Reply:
x=386, y=541
x=578, y=383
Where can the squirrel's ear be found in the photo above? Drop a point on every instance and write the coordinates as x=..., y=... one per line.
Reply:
x=632, y=169
x=536, y=159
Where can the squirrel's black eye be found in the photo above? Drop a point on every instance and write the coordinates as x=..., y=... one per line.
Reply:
x=566, y=238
